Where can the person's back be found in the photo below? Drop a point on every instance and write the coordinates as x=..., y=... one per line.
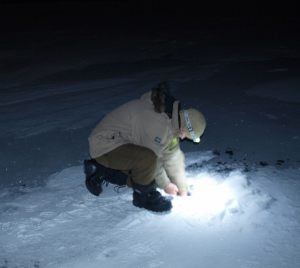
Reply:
x=134, y=122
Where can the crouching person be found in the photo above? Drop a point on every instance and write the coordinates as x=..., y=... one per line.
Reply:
x=138, y=144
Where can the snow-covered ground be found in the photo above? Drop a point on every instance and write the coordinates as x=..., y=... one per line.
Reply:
x=231, y=220
x=244, y=210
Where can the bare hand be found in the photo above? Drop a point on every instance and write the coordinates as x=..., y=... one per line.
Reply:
x=171, y=188
x=183, y=194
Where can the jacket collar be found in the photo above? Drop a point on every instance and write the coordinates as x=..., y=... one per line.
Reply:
x=175, y=119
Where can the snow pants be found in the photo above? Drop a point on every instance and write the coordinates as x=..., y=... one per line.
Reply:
x=138, y=162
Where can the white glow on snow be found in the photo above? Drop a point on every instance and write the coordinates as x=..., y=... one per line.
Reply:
x=210, y=196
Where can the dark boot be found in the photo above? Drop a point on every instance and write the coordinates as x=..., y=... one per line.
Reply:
x=146, y=196
x=96, y=175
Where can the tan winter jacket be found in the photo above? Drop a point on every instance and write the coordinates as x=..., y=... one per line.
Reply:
x=136, y=122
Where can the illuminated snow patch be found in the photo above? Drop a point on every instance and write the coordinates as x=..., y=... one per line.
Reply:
x=211, y=195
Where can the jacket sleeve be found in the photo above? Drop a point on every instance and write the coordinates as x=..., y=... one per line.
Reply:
x=161, y=177
x=171, y=167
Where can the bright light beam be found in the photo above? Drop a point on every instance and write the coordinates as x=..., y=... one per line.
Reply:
x=210, y=197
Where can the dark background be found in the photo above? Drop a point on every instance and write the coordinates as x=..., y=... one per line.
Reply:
x=24, y=23
x=134, y=14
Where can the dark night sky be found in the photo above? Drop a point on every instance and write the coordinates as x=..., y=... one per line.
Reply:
x=27, y=24
x=16, y=15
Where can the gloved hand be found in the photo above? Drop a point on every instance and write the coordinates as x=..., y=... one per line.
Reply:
x=171, y=188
